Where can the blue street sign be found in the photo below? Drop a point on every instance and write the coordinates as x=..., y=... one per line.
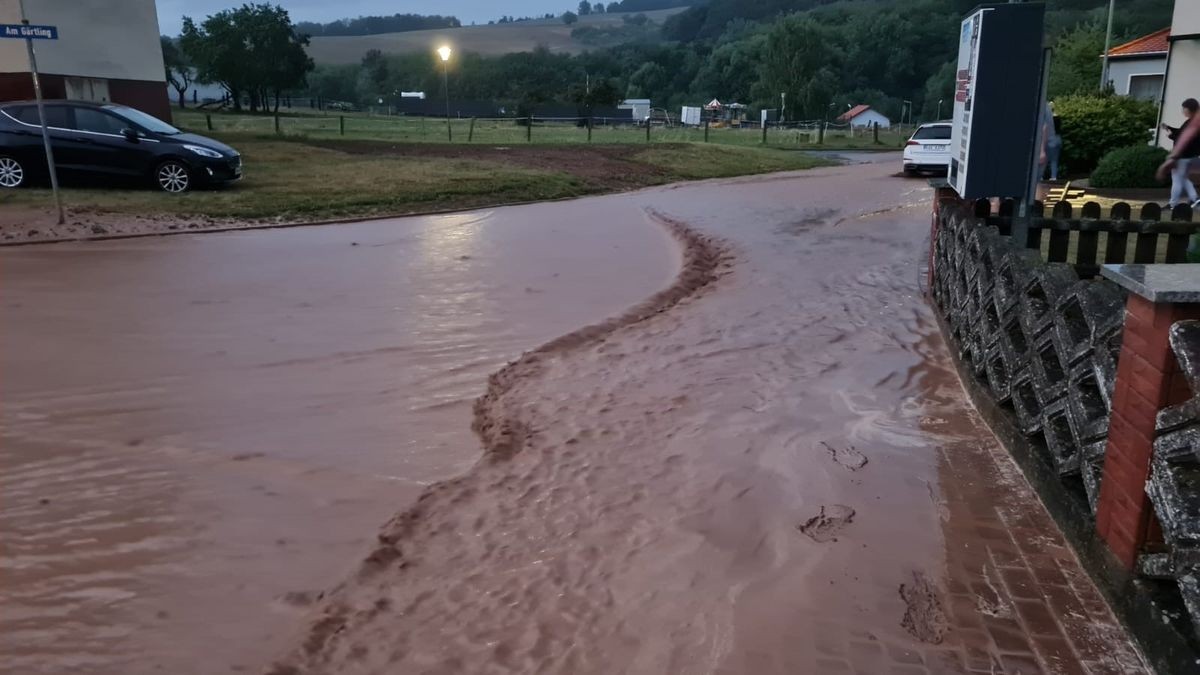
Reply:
x=23, y=32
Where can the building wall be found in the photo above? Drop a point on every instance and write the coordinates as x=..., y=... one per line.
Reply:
x=96, y=38
x=870, y=118
x=1120, y=70
x=1183, y=78
x=1186, y=20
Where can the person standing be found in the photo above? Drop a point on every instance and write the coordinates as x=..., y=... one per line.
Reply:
x=1187, y=137
x=1051, y=142
x=1187, y=148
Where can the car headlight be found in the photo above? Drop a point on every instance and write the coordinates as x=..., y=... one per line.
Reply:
x=203, y=151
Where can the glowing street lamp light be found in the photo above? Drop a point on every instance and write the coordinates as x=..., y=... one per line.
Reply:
x=444, y=52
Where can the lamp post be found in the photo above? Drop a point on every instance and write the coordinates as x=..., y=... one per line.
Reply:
x=939, y=114
x=1107, y=46
x=444, y=52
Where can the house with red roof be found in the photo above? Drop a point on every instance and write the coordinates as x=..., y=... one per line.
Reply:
x=861, y=116
x=1138, y=68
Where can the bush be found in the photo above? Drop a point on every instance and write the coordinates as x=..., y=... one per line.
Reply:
x=1131, y=167
x=1093, y=125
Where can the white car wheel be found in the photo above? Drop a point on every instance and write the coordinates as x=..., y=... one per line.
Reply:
x=12, y=174
x=173, y=176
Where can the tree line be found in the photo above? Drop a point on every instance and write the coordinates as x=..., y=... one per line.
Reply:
x=375, y=25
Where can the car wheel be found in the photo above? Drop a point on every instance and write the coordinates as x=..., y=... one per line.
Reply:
x=12, y=174
x=173, y=176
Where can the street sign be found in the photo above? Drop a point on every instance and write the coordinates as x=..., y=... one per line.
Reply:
x=24, y=32
x=28, y=32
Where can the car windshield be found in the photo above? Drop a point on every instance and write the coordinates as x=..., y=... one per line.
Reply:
x=147, y=122
x=937, y=133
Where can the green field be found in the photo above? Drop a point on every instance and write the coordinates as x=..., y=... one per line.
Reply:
x=491, y=132
x=291, y=179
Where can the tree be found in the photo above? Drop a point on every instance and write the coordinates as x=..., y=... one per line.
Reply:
x=252, y=50
x=799, y=59
x=940, y=87
x=375, y=70
x=569, y=18
x=1075, y=65
x=614, y=7
x=179, y=71
x=585, y=7
x=598, y=8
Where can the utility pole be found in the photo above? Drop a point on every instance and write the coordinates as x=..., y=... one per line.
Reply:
x=1107, y=45
x=37, y=92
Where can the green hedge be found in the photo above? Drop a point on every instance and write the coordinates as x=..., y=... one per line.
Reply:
x=1093, y=125
x=1131, y=167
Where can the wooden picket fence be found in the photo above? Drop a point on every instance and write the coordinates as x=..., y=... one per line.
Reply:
x=1086, y=239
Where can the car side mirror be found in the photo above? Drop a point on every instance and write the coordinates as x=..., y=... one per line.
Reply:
x=130, y=135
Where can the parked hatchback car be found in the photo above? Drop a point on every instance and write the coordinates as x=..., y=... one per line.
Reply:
x=928, y=149
x=105, y=139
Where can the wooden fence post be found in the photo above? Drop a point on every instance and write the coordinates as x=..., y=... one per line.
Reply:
x=647, y=129
x=529, y=129
x=705, y=129
x=589, y=126
x=208, y=121
x=471, y=131
x=277, y=123
x=342, y=125
x=764, y=134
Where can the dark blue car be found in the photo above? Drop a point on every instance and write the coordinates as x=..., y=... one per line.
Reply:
x=105, y=139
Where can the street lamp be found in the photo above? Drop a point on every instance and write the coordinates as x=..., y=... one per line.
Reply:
x=444, y=53
x=1107, y=46
x=939, y=115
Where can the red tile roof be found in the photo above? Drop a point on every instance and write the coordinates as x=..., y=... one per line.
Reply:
x=853, y=112
x=1147, y=45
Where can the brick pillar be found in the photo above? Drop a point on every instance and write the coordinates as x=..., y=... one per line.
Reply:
x=1148, y=379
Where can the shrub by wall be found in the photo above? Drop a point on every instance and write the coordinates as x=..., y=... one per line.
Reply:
x=1131, y=167
x=1093, y=125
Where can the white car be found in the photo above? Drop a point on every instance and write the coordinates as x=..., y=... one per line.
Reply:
x=928, y=149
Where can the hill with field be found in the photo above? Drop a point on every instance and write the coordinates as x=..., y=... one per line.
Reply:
x=594, y=31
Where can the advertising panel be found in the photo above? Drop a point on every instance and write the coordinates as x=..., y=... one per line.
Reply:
x=996, y=95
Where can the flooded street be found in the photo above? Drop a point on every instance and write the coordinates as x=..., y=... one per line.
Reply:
x=202, y=432
x=770, y=467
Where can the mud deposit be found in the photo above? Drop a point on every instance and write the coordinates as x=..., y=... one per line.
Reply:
x=658, y=493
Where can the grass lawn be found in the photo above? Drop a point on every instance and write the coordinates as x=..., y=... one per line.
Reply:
x=293, y=180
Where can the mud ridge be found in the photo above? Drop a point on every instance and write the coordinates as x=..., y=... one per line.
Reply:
x=503, y=435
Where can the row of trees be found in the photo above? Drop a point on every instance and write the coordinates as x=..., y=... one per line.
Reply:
x=374, y=25
x=253, y=51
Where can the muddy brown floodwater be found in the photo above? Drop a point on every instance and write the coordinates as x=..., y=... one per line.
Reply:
x=201, y=432
x=769, y=467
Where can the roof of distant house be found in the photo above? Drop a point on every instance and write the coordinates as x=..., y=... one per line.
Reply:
x=853, y=112
x=1154, y=44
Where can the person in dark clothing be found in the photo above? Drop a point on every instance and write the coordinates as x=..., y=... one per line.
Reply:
x=1183, y=155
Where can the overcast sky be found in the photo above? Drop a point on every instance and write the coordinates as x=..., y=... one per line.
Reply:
x=171, y=12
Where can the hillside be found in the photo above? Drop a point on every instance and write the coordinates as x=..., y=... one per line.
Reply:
x=490, y=40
